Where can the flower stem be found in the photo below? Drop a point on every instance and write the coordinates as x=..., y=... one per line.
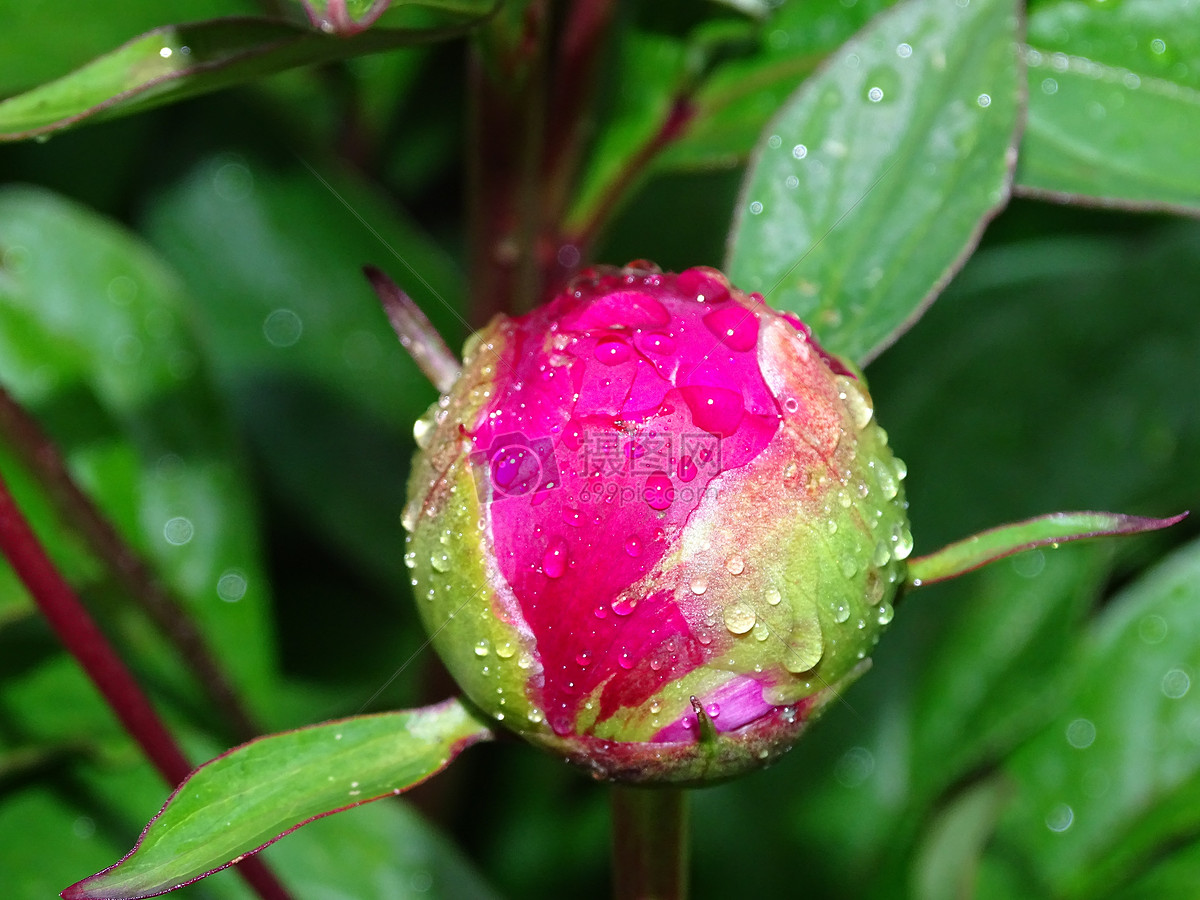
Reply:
x=650, y=843
x=85, y=641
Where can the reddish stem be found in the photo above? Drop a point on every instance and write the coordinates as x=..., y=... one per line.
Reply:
x=85, y=641
x=677, y=119
x=23, y=433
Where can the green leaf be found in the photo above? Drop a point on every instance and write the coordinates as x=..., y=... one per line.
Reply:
x=1114, y=104
x=1005, y=540
x=1112, y=787
x=906, y=135
x=38, y=48
x=178, y=61
x=251, y=796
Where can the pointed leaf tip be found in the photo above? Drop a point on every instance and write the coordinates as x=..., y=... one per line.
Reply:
x=248, y=798
x=996, y=543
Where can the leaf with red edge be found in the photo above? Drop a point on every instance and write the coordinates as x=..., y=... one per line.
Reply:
x=251, y=796
x=178, y=61
x=996, y=543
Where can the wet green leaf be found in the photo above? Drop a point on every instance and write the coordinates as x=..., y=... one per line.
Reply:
x=1005, y=540
x=38, y=47
x=1114, y=103
x=178, y=61
x=876, y=179
x=252, y=795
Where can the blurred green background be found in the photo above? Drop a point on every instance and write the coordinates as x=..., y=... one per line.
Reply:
x=181, y=306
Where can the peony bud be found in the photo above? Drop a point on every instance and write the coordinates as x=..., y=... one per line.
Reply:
x=654, y=527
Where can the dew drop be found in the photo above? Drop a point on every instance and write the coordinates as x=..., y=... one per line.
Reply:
x=875, y=94
x=717, y=410
x=849, y=566
x=482, y=648
x=886, y=612
x=655, y=342
x=658, y=493
x=734, y=326
x=699, y=585
x=902, y=542
x=505, y=650
x=735, y=565
x=626, y=661
x=713, y=710
x=773, y=596
x=1060, y=818
x=841, y=612
x=802, y=656
x=739, y=617
x=1081, y=733
x=623, y=605
x=856, y=400
x=633, y=546
x=536, y=716
x=687, y=469
x=440, y=562
x=554, y=562
x=799, y=151
x=791, y=404
x=612, y=351
x=886, y=480
x=583, y=657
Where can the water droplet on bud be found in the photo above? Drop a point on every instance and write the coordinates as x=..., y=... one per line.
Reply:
x=623, y=605
x=773, y=596
x=856, y=400
x=659, y=493
x=554, y=562
x=699, y=585
x=735, y=565
x=841, y=612
x=739, y=618
x=481, y=648
x=612, y=351
x=633, y=546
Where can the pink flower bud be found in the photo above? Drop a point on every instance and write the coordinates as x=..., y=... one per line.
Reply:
x=654, y=527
